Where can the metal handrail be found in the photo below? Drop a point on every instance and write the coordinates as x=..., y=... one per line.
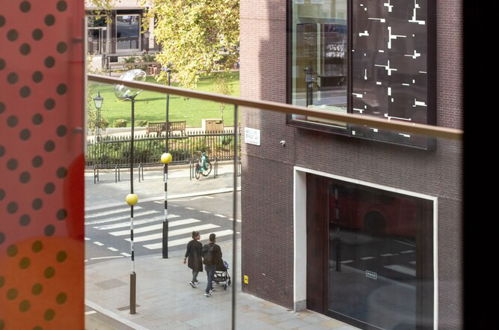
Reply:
x=413, y=128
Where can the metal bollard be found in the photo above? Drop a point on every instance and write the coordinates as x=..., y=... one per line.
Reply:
x=96, y=174
x=139, y=171
x=190, y=169
x=215, y=168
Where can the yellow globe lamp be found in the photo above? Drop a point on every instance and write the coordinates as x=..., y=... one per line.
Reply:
x=132, y=199
x=166, y=158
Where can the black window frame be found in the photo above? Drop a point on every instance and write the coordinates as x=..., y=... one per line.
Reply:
x=429, y=143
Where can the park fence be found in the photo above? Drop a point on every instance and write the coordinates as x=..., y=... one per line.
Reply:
x=114, y=151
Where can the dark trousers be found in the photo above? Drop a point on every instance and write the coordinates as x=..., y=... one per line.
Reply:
x=195, y=276
x=210, y=272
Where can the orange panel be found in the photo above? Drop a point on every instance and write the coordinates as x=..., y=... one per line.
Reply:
x=41, y=164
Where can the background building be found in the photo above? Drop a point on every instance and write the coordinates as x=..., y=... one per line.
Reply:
x=118, y=32
x=357, y=223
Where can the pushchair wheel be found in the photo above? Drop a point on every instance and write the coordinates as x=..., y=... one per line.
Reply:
x=225, y=286
x=228, y=282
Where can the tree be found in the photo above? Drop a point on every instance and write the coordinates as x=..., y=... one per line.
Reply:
x=198, y=37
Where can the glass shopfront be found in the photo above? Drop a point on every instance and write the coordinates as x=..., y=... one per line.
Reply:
x=378, y=259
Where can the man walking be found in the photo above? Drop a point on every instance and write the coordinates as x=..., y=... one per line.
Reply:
x=212, y=256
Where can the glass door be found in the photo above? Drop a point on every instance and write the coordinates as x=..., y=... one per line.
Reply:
x=375, y=251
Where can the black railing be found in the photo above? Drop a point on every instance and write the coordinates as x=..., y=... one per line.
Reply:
x=114, y=151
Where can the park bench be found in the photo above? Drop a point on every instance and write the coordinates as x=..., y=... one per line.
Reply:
x=159, y=127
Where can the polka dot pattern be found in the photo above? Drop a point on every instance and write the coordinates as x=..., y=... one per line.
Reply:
x=47, y=300
x=41, y=156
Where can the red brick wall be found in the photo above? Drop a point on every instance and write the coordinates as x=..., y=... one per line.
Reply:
x=267, y=183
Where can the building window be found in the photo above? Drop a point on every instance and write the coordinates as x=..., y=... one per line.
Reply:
x=319, y=56
x=97, y=42
x=127, y=32
x=364, y=57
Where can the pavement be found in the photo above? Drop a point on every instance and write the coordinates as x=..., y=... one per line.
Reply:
x=165, y=300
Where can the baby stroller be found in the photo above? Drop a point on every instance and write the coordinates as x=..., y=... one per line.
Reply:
x=221, y=276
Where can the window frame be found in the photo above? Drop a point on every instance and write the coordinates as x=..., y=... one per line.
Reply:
x=349, y=131
x=139, y=38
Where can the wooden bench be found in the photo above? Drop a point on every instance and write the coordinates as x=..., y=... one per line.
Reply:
x=159, y=127
x=177, y=126
x=156, y=128
x=153, y=68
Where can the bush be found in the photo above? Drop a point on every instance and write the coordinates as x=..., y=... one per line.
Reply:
x=130, y=59
x=102, y=124
x=120, y=123
x=226, y=140
x=148, y=58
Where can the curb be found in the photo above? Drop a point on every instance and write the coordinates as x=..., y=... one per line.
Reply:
x=114, y=316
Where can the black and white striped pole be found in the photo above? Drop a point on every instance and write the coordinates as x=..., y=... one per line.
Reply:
x=131, y=200
x=125, y=93
x=166, y=158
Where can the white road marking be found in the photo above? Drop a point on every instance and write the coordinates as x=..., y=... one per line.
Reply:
x=220, y=215
x=135, y=215
x=90, y=312
x=366, y=258
x=112, y=249
x=206, y=212
x=98, y=243
x=125, y=254
x=405, y=243
x=154, y=227
x=108, y=257
x=182, y=241
x=402, y=269
x=189, y=208
x=135, y=222
x=199, y=197
x=171, y=233
x=102, y=214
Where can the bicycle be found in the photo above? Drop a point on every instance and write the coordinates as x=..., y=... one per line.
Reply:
x=203, y=167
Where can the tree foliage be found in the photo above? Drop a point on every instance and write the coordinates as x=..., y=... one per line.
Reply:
x=198, y=37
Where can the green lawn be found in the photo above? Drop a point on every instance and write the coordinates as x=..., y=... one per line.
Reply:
x=151, y=106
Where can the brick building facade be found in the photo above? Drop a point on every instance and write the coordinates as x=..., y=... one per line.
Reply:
x=277, y=180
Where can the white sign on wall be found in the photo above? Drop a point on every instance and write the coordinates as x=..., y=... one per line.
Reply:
x=252, y=136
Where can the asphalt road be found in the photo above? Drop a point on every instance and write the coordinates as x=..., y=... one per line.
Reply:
x=107, y=229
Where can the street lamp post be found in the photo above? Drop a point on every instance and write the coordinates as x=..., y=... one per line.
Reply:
x=98, y=100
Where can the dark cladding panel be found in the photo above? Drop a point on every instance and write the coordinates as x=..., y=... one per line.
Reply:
x=390, y=64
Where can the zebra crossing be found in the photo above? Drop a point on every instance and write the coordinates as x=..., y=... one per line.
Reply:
x=111, y=224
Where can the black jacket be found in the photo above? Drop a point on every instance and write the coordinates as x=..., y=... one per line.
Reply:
x=216, y=254
x=194, y=254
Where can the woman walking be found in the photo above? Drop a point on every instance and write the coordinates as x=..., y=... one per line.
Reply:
x=193, y=252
